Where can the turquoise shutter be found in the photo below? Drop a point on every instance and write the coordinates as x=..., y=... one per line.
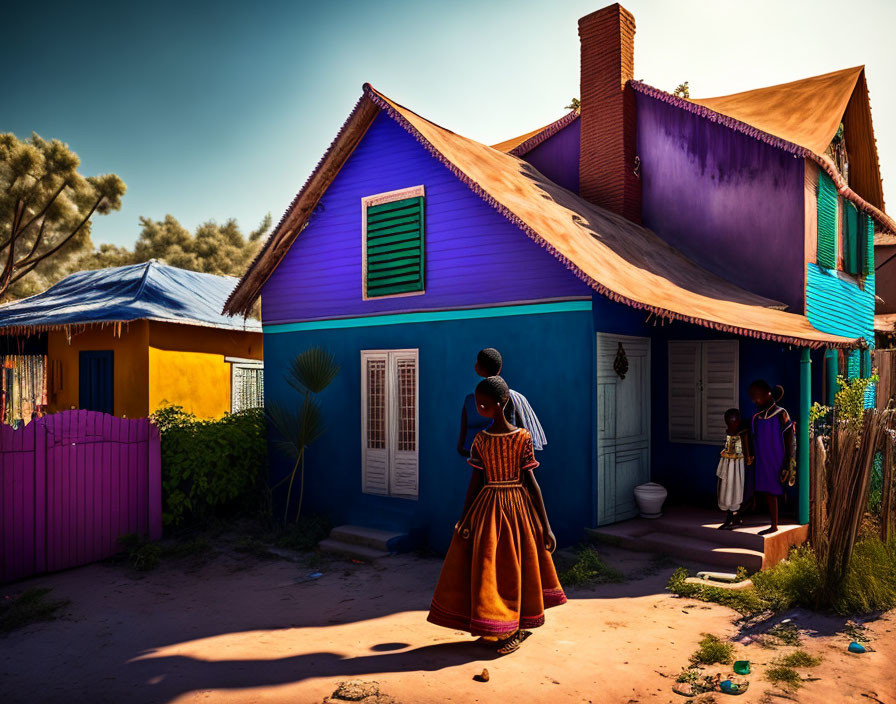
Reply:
x=827, y=222
x=853, y=249
x=394, y=247
x=853, y=364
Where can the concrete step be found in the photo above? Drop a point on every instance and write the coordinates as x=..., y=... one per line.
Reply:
x=702, y=551
x=372, y=538
x=355, y=552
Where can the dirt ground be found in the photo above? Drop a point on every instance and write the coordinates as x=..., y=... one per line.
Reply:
x=234, y=627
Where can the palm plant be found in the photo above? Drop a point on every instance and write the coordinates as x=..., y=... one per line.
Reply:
x=309, y=374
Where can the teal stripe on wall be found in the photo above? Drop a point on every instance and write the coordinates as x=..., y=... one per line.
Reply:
x=839, y=307
x=432, y=316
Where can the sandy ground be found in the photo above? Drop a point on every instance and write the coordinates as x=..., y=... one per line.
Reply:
x=236, y=628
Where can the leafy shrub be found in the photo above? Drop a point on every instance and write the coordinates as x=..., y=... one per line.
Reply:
x=212, y=468
x=712, y=650
x=587, y=569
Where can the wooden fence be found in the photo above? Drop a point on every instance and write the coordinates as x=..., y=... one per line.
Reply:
x=72, y=483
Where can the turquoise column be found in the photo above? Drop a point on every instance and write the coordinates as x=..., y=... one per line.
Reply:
x=831, y=360
x=802, y=449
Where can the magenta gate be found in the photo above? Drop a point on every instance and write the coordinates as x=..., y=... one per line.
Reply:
x=72, y=483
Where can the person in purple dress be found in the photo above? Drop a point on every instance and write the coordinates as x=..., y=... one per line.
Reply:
x=773, y=446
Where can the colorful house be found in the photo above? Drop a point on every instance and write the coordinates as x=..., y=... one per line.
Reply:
x=705, y=242
x=127, y=340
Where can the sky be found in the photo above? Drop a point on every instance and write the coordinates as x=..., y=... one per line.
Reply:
x=217, y=110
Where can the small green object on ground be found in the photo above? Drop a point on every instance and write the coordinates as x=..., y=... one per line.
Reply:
x=742, y=667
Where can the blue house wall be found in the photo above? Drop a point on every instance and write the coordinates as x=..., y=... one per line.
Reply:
x=548, y=358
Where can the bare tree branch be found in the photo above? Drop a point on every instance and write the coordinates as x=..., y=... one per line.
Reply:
x=34, y=260
x=47, y=206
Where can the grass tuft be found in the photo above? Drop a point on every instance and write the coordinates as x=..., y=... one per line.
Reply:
x=800, y=658
x=787, y=676
x=28, y=607
x=745, y=601
x=712, y=650
x=142, y=554
x=586, y=569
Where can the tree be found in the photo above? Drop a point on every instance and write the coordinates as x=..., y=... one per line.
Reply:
x=213, y=249
x=46, y=207
x=574, y=104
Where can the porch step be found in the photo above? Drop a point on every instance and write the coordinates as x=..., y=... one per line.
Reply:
x=693, y=534
x=356, y=552
x=368, y=537
x=361, y=543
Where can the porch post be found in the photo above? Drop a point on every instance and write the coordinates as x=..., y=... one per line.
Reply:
x=831, y=371
x=803, y=439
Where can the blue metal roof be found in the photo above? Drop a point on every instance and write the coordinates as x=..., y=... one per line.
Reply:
x=148, y=291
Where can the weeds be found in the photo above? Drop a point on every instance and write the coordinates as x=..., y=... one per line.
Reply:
x=712, y=650
x=142, y=554
x=787, y=676
x=304, y=535
x=800, y=658
x=783, y=670
x=587, y=569
x=28, y=607
x=870, y=583
x=745, y=601
x=786, y=633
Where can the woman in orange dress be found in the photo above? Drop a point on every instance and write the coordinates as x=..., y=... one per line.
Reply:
x=498, y=576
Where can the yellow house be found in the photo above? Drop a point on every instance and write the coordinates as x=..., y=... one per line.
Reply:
x=126, y=341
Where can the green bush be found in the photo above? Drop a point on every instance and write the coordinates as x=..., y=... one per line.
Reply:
x=212, y=468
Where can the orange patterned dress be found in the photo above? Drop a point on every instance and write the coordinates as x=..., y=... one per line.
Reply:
x=498, y=576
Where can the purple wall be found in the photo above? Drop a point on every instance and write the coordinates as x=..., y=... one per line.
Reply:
x=558, y=157
x=729, y=202
x=474, y=256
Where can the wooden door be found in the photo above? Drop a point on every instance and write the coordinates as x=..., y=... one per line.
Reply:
x=623, y=424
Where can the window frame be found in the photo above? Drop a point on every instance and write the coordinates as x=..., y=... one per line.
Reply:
x=392, y=414
x=381, y=199
x=243, y=363
x=702, y=435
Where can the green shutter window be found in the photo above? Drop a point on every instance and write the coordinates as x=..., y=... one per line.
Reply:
x=853, y=246
x=868, y=241
x=827, y=222
x=394, y=248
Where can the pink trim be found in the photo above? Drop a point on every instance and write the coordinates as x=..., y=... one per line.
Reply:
x=706, y=113
x=483, y=626
x=596, y=285
x=553, y=597
x=525, y=147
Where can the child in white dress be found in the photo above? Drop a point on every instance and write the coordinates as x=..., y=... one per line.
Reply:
x=730, y=471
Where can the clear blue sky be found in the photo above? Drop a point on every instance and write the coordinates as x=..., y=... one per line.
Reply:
x=211, y=110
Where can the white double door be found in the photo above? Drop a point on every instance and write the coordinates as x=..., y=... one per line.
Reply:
x=623, y=424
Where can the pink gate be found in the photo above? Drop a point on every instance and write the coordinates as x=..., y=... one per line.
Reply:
x=72, y=483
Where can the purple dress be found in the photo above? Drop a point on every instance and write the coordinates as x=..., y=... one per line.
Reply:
x=768, y=428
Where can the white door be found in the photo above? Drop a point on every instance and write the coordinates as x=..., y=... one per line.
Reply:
x=389, y=422
x=623, y=424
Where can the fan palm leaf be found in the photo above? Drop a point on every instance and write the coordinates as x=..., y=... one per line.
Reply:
x=312, y=370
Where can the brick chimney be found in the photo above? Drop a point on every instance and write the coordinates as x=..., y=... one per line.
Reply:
x=607, y=158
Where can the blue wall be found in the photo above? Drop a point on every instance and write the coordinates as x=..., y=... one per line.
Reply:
x=548, y=358
x=836, y=304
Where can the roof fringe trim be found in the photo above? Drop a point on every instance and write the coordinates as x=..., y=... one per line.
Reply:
x=884, y=220
x=77, y=328
x=597, y=286
x=232, y=306
x=543, y=136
